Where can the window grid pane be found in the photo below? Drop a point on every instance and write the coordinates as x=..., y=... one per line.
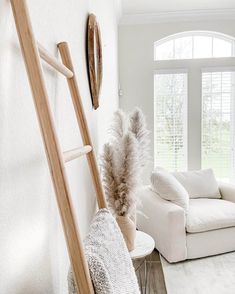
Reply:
x=202, y=47
x=217, y=123
x=170, y=108
x=221, y=48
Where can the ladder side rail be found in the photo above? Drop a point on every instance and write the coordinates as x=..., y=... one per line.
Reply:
x=82, y=122
x=54, y=154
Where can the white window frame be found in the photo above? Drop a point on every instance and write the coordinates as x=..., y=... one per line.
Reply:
x=194, y=68
x=211, y=34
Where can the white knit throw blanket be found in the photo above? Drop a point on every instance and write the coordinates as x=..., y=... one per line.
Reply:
x=108, y=259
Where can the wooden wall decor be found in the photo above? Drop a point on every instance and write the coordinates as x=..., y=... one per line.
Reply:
x=94, y=53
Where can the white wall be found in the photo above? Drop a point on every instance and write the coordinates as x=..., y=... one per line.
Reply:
x=33, y=257
x=136, y=70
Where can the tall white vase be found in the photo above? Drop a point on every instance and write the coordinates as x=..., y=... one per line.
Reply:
x=128, y=229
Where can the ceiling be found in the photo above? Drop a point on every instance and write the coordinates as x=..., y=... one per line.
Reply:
x=158, y=6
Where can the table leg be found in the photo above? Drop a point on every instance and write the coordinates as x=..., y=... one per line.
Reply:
x=140, y=281
x=149, y=274
x=145, y=276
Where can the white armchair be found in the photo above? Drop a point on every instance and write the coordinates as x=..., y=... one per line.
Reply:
x=207, y=229
x=227, y=191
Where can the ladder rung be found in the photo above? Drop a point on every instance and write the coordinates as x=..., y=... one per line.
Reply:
x=51, y=60
x=77, y=152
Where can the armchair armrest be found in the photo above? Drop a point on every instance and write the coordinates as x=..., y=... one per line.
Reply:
x=165, y=222
x=227, y=191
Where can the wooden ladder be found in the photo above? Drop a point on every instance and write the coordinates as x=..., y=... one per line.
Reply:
x=32, y=51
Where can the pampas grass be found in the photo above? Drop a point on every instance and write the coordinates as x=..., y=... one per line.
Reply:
x=138, y=127
x=123, y=159
x=119, y=126
x=127, y=176
x=108, y=176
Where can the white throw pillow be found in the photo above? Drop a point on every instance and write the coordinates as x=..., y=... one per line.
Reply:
x=199, y=183
x=168, y=188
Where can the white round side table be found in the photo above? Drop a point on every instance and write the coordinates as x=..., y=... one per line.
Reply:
x=144, y=246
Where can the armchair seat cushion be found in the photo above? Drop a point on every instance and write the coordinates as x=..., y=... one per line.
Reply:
x=209, y=214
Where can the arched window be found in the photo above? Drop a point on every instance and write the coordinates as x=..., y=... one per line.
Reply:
x=194, y=101
x=194, y=44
